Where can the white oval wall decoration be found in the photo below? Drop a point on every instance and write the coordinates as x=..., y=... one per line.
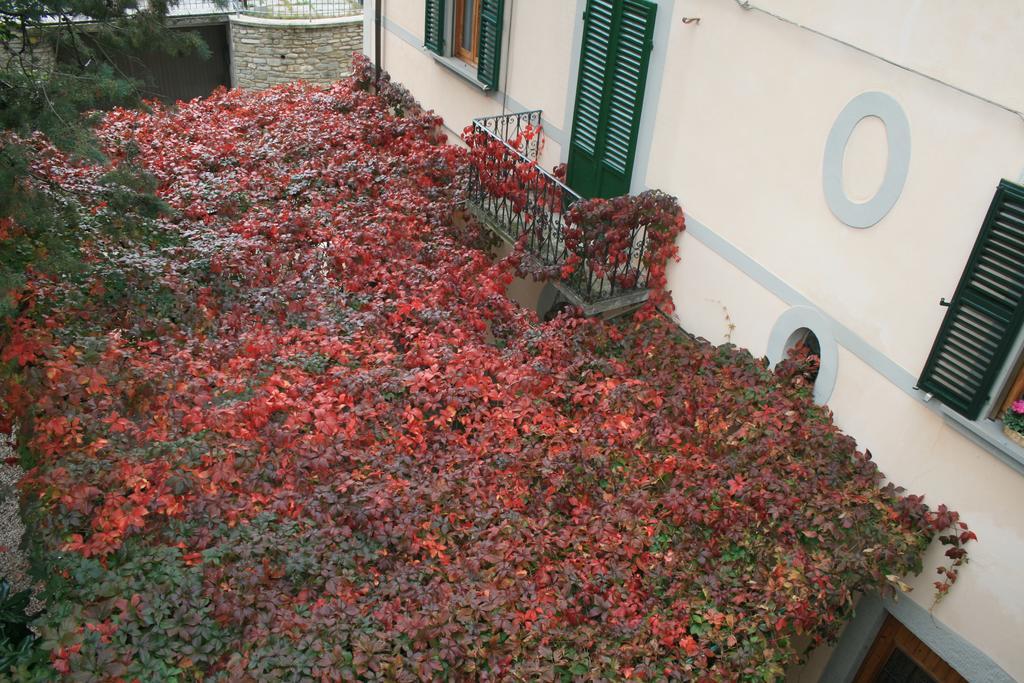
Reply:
x=897, y=134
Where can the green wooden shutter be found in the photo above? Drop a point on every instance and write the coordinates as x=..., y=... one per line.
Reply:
x=617, y=41
x=488, y=70
x=626, y=96
x=584, y=150
x=433, y=32
x=986, y=311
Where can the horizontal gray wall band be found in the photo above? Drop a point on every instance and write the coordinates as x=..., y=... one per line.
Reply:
x=550, y=130
x=855, y=642
x=849, y=340
x=846, y=337
x=967, y=659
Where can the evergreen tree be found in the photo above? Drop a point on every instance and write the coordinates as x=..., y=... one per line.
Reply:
x=58, y=62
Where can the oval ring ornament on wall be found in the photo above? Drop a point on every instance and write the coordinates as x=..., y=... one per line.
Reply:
x=805, y=317
x=897, y=134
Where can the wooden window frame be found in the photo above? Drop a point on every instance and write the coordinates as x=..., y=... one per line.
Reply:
x=458, y=29
x=1013, y=389
x=892, y=636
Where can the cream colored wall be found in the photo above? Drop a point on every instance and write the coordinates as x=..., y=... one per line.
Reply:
x=409, y=14
x=917, y=449
x=718, y=302
x=747, y=102
x=433, y=85
x=540, y=56
x=973, y=44
x=537, y=66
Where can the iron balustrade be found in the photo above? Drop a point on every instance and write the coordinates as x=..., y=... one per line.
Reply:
x=518, y=199
x=522, y=130
x=530, y=202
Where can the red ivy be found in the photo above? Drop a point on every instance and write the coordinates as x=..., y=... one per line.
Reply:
x=312, y=437
x=618, y=244
x=626, y=238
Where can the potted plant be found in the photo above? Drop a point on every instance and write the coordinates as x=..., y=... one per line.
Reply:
x=1013, y=422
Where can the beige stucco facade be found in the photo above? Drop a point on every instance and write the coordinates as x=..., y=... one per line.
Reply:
x=737, y=113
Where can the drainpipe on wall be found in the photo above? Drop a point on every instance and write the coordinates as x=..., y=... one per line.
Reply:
x=378, y=13
x=505, y=61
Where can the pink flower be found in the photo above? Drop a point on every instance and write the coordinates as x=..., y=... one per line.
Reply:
x=1018, y=407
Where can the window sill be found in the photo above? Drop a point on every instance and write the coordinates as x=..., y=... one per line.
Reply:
x=461, y=68
x=989, y=435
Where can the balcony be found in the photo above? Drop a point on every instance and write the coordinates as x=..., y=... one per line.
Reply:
x=523, y=203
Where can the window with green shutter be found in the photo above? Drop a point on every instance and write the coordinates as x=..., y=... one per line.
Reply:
x=986, y=313
x=489, y=58
x=617, y=41
x=433, y=32
x=476, y=28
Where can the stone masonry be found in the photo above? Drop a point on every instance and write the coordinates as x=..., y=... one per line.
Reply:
x=266, y=52
x=40, y=58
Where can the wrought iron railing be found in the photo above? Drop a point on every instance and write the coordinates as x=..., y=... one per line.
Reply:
x=530, y=201
x=177, y=10
x=523, y=130
x=517, y=198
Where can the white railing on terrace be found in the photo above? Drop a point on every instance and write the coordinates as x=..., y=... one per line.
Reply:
x=194, y=8
x=303, y=9
x=278, y=9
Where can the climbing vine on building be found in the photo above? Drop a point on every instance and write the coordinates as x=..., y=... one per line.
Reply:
x=602, y=245
x=306, y=434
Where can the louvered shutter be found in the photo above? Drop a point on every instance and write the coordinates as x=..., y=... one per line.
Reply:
x=433, y=32
x=628, y=80
x=986, y=311
x=584, y=149
x=488, y=69
x=617, y=41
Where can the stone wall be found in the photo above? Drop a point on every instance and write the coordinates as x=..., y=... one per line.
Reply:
x=265, y=52
x=41, y=57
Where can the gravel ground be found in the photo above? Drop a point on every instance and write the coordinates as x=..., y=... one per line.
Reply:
x=13, y=563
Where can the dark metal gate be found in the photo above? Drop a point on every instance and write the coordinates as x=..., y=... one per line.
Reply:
x=171, y=78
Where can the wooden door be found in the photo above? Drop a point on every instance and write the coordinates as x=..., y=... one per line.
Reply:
x=898, y=656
